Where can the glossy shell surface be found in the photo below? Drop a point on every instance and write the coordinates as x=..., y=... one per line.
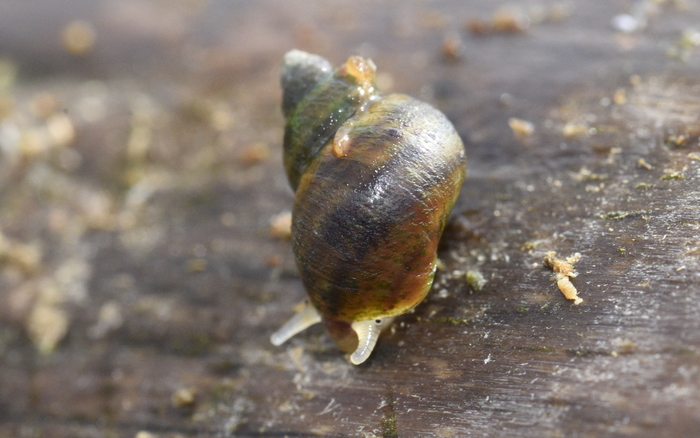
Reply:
x=375, y=178
x=366, y=224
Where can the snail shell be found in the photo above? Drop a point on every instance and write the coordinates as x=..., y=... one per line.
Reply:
x=375, y=178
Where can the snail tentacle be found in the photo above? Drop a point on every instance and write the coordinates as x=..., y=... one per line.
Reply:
x=367, y=335
x=307, y=317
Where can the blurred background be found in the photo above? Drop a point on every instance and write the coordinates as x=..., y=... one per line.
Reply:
x=144, y=252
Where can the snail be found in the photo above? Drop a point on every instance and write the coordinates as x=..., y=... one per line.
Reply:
x=375, y=177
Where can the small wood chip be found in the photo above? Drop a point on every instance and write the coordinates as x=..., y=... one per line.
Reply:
x=78, y=38
x=475, y=279
x=643, y=163
x=575, y=130
x=183, y=397
x=281, y=225
x=255, y=153
x=563, y=271
x=620, y=97
x=522, y=129
x=452, y=47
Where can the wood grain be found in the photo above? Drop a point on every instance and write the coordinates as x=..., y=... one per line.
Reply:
x=153, y=228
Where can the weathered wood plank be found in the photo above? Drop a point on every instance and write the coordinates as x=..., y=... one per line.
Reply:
x=152, y=228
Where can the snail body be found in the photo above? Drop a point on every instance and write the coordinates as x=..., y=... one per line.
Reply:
x=375, y=178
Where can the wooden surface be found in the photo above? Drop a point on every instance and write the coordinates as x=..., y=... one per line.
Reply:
x=138, y=254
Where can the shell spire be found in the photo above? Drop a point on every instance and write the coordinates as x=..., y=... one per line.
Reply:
x=299, y=73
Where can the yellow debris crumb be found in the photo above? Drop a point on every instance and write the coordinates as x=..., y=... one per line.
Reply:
x=522, y=129
x=452, y=47
x=183, y=397
x=475, y=279
x=575, y=130
x=26, y=257
x=643, y=163
x=563, y=272
x=620, y=97
x=281, y=225
x=47, y=326
x=60, y=129
x=510, y=20
x=109, y=318
x=78, y=38
x=255, y=153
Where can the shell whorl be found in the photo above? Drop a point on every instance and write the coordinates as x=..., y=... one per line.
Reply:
x=316, y=103
x=366, y=226
x=300, y=72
